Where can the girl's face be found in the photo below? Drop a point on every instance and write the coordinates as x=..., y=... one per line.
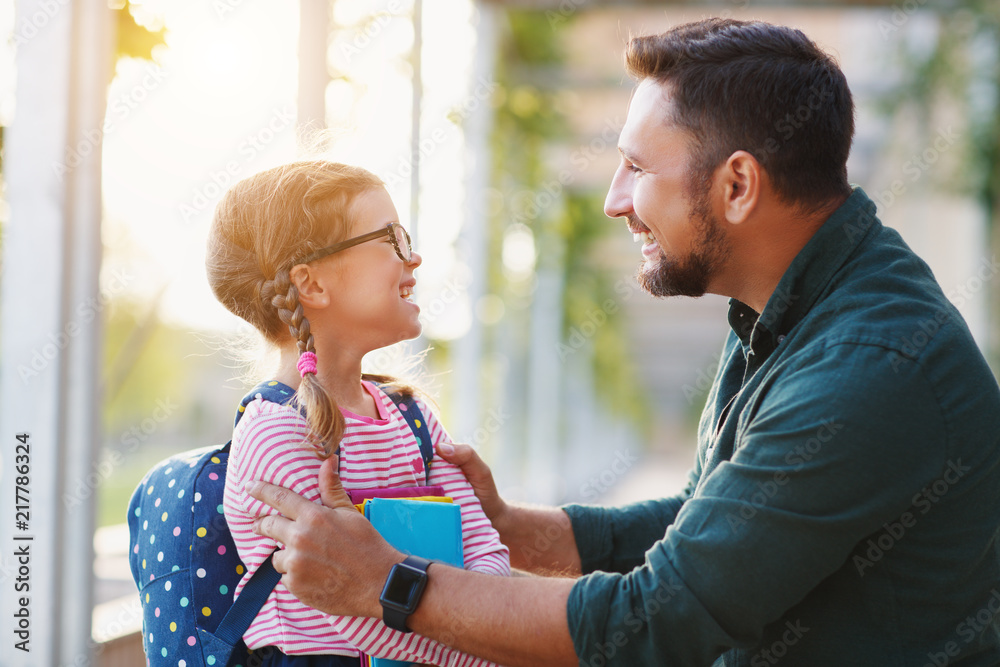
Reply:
x=372, y=297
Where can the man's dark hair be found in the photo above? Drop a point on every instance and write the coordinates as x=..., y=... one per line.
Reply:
x=753, y=86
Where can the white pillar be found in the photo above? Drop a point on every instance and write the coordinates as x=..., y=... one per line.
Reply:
x=544, y=476
x=467, y=400
x=416, y=102
x=314, y=32
x=50, y=313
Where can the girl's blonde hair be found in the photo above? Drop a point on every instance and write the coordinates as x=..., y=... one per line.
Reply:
x=261, y=226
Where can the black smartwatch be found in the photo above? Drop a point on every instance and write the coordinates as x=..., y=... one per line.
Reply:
x=401, y=593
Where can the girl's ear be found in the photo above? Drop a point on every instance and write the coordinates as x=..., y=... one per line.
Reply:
x=313, y=291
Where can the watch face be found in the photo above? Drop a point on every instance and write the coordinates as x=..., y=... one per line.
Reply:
x=403, y=588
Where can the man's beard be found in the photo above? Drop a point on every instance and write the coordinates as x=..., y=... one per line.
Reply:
x=689, y=276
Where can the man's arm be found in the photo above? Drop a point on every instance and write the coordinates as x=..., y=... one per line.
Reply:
x=540, y=539
x=511, y=621
x=336, y=562
x=544, y=540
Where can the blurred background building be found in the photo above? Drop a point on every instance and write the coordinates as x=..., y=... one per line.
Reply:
x=494, y=125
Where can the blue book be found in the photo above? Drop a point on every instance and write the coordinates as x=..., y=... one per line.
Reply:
x=423, y=528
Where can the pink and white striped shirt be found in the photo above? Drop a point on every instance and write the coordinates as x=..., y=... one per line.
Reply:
x=374, y=453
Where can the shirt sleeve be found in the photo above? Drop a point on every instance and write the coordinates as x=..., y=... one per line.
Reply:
x=375, y=638
x=816, y=470
x=268, y=445
x=481, y=546
x=616, y=539
x=270, y=448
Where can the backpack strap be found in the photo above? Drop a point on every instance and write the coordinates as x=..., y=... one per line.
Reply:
x=277, y=392
x=253, y=596
x=418, y=424
x=237, y=620
x=271, y=391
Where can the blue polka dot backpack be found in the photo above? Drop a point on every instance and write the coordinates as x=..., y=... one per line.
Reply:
x=184, y=560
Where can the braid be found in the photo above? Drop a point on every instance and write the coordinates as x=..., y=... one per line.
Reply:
x=326, y=423
x=285, y=300
x=260, y=226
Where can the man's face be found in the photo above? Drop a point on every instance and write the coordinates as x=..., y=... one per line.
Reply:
x=666, y=207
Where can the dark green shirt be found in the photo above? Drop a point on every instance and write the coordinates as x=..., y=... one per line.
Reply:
x=844, y=504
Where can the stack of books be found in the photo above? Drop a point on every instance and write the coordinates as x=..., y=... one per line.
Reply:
x=418, y=521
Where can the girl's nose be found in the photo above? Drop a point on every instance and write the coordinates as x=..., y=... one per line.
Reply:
x=415, y=259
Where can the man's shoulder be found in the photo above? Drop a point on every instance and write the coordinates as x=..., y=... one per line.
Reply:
x=886, y=296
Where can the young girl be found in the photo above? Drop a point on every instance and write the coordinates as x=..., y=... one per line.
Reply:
x=313, y=256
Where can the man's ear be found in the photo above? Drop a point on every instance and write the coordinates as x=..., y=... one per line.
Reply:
x=741, y=177
x=313, y=291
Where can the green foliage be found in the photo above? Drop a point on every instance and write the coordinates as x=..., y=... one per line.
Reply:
x=961, y=71
x=594, y=297
x=141, y=362
x=531, y=39
x=569, y=226
x=961, y=68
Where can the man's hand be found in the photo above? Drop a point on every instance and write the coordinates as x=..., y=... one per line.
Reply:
x=480, y=478
x=333, y=559
x=540, y=539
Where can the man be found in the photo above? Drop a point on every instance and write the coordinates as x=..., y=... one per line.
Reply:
x=844, y=504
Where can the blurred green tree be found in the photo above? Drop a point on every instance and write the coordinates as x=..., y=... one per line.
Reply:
x=959, y=70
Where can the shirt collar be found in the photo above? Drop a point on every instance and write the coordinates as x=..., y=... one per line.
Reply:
x=806, y=277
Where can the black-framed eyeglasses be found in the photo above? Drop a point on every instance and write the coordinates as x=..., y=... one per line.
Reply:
x=398, y=236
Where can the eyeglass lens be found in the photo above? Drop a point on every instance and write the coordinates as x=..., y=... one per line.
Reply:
x=402, y=242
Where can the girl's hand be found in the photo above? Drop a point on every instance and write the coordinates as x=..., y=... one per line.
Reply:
x=480, y=478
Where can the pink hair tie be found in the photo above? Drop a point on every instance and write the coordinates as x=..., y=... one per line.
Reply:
x=307, y=363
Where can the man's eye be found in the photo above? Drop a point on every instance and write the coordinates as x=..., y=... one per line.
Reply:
x=633, y=168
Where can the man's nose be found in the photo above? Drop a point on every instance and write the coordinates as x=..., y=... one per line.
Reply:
x=618, y=203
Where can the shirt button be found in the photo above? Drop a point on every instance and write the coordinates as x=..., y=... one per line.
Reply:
x=780, y=339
